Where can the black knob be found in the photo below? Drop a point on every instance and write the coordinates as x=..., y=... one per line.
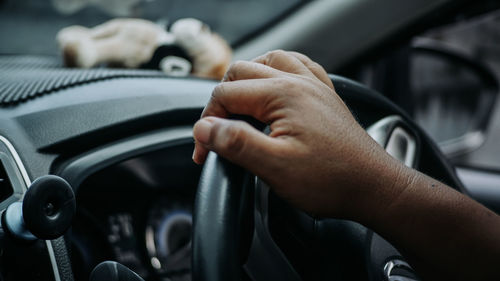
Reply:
x=113, y=271
x=49, y=207
x=46, y=212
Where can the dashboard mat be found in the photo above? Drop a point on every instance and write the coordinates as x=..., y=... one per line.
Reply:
x=26, y=77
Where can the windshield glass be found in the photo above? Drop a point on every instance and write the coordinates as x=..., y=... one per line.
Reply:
x=30, y=26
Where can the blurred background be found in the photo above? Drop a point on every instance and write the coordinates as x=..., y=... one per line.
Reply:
x=32, y=25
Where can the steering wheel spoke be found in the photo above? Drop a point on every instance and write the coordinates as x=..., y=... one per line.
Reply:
x=264, y=252
x=397, y=138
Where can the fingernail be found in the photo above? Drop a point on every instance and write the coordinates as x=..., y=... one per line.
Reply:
x=194, y=152
x=202, y=131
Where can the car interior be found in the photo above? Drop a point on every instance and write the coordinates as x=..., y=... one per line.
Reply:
x=95, y=164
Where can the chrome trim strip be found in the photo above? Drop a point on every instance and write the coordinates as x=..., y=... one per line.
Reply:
x=19, y=163
x=27, y=181
x=53, y=261
x=402, y=146
x=393, y=135
x=396, y=263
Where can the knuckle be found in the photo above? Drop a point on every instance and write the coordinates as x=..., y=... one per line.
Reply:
x=277, y=54
x=234, y=138
x=217, y=92
x=300, y=55
x=238, y=64
x=287, y=83
x=315, y=66
x=215, y=105
x=234, y=69
x=274, y=55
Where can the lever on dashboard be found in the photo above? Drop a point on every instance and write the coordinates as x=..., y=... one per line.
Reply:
x=45, y=213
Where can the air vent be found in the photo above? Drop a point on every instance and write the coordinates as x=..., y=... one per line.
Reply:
x=6, y=189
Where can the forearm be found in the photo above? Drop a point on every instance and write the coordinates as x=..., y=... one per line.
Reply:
x=439, y=229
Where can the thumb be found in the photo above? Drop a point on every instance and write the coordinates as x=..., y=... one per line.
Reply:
x=236, y=141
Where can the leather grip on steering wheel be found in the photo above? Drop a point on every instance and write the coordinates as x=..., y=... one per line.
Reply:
x=220, y=184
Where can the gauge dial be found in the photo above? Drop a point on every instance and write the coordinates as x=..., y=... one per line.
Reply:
x=168, y=239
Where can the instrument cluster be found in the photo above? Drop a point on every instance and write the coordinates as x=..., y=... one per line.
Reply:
x=139, y=213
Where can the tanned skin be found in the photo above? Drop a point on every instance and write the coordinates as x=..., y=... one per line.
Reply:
x=318, y=158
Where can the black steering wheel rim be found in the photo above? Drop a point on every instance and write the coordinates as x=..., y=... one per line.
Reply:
x=225, y=194
x=222, y=216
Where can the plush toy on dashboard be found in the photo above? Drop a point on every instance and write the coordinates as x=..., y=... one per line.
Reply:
x=188, y=47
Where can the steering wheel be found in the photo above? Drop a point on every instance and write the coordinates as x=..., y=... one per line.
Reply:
x=243, y=231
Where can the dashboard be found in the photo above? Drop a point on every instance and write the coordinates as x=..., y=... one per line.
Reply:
x=123, y=140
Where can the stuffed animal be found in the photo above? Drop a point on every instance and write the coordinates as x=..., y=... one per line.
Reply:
x=189, y=47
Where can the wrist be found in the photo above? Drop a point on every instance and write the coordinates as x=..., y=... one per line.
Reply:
x=386, y=186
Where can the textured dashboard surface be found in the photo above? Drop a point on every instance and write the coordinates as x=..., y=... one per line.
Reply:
x=27, y=77
x=46, y=110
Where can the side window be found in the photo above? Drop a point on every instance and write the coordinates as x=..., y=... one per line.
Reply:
x=447, y=80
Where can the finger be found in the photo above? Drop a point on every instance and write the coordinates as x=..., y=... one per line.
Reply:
x=242, y=70
x=236, y=141
x=285, y=62
x=200, y=153
x=246, y=97
x=315, y=68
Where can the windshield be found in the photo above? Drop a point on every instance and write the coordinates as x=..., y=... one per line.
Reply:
x=30, y=26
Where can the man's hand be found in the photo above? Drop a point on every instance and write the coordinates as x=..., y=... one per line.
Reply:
x=317, y=156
